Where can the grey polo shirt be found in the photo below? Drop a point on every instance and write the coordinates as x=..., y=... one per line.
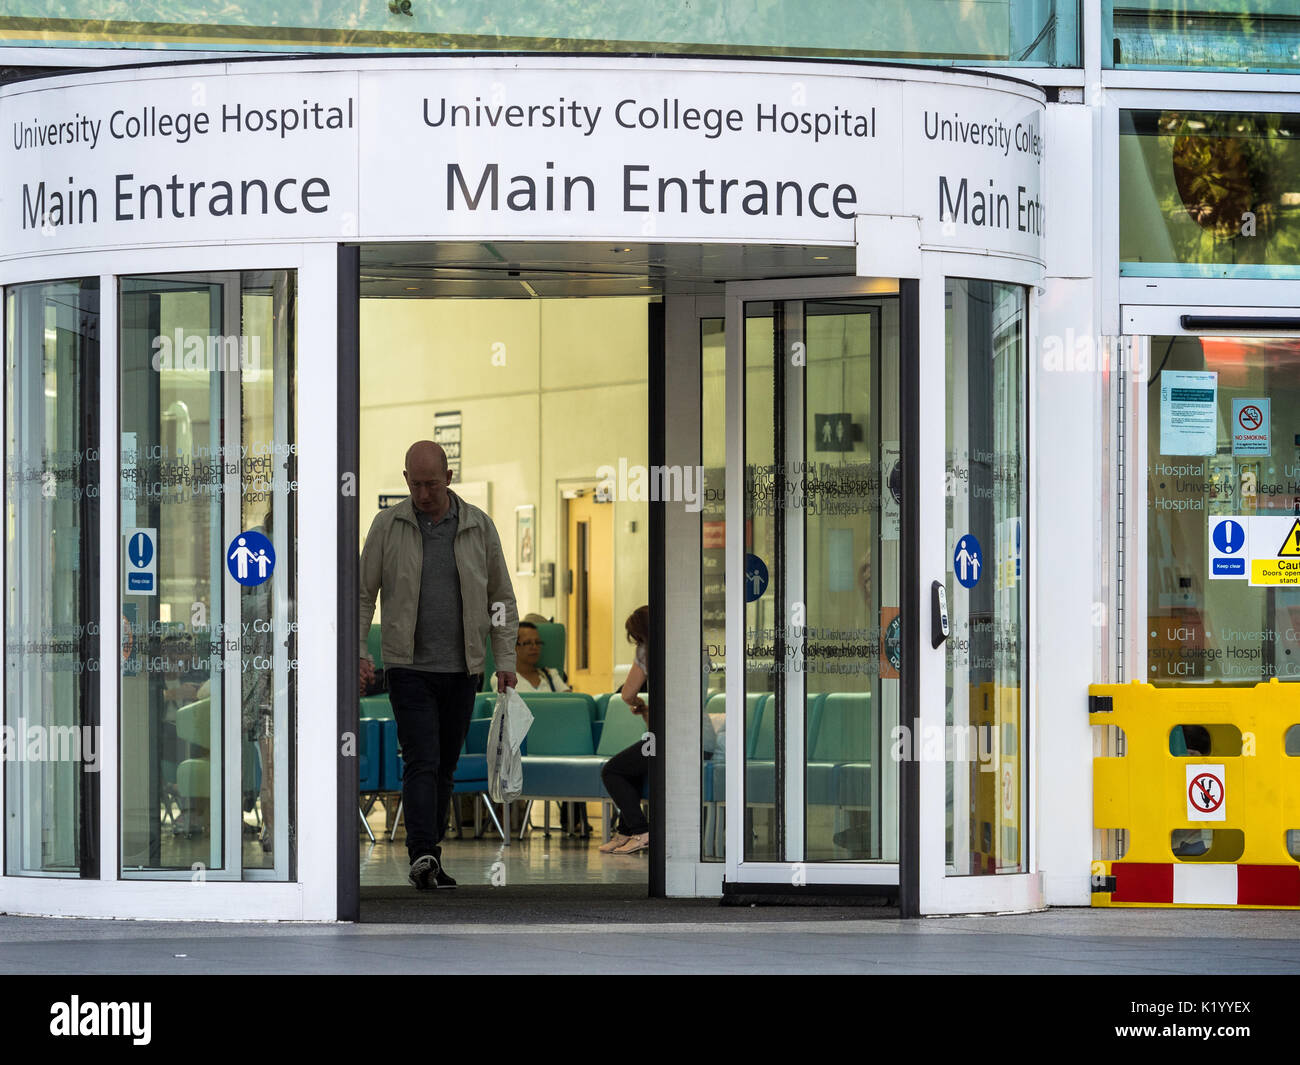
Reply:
x=440, y=619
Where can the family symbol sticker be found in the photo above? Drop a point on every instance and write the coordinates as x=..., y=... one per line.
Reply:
x=1205, y=793
x=968, y=561
x=250, y=558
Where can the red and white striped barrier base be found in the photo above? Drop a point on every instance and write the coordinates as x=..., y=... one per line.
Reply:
x=1185, y=884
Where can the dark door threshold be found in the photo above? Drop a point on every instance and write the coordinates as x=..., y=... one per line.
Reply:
x=784, y=894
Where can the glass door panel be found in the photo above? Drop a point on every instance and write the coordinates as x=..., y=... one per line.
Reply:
x=986, y=579
x=207, y=527
x=851, y=529
x=52, y=741
x=820, y=575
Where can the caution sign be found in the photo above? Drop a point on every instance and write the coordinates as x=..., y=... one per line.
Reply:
x=1206, y=794
x=1291, y=545
x=1275, y=572
x=1273, y=544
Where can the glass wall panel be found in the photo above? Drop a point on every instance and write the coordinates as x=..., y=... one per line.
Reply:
x=1209, y=194
x=1253, y=35
x=1221, y=491
x=1033, y=32
x=51, y=716
x=207, y=525
x=852, y=651
x=987, y=603
x=713, y=589
x=765, y=630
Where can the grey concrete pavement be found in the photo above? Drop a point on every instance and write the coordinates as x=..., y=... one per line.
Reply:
x=704, y=939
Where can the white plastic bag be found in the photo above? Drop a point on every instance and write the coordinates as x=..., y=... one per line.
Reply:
x=511, y=721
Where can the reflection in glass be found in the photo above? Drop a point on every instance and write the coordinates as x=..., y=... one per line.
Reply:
x=1209, y=194
x=51, y=712
x=1033, y=32
x=1232, y=35
x=986, y=743
x=207, y=461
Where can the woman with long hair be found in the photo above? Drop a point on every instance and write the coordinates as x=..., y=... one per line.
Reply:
x=624, y=775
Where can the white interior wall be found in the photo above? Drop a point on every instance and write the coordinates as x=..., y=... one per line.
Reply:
x=548, y=390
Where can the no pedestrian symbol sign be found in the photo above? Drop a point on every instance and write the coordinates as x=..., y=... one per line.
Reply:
x=1206, y=793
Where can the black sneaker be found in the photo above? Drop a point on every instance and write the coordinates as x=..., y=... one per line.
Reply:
x=424, y=871
x=442, y=878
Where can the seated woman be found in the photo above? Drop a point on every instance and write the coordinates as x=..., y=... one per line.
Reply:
x=624, y=774
x=532, y=677
x=529, y=676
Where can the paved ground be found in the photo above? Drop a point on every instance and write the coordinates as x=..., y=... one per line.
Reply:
x=479, y=930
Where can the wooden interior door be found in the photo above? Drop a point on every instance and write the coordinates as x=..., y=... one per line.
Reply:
x=590, y=585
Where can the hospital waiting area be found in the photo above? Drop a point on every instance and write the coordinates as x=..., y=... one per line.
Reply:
x=535, y=382
x=531, y=399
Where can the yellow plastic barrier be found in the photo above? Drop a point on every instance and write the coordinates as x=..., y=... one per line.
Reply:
x=1247, y=795
x=995, y=796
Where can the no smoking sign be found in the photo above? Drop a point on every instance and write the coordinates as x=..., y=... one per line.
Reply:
x=1250, y=428
x=1206, y=794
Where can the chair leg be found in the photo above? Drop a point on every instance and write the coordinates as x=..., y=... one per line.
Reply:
x=546, y=819
x=397, y=821
x=526, y=821
x=492, y=814
x=366, y=824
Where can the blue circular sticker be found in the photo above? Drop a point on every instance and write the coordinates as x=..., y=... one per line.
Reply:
x=250, y=558
x=1229, y=536
x=755, y=578
x=139, y=549
x=968, y=561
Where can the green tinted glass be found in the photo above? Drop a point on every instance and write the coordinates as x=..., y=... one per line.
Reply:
x=1209, y=194
x=1030, y=32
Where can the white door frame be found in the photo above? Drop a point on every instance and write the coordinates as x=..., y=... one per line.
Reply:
x=788, y=871
x=938, y=892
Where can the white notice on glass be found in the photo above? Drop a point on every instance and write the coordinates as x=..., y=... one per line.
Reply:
x=891, y=489
x=1188, y=419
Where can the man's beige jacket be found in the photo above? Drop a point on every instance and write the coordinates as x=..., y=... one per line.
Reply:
x=391, y=561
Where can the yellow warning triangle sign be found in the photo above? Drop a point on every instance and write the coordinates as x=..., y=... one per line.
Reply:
x=1291, y=545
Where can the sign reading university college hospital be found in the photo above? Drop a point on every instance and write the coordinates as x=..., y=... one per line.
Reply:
x=633, y=150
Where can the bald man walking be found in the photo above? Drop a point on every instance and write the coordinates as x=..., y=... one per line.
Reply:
x=437, y=563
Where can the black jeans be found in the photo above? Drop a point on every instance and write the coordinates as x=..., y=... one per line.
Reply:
x=624, y=777
x=432, y=711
